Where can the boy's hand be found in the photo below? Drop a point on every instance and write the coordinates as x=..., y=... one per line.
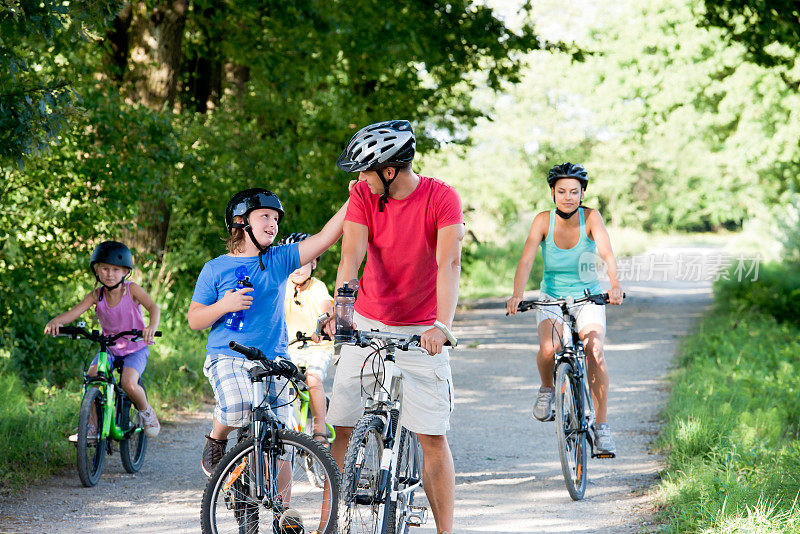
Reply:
x=52, y=327
x=235, y=300
x=149, y=334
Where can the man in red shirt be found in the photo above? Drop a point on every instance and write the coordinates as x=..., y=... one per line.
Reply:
x=410, y=227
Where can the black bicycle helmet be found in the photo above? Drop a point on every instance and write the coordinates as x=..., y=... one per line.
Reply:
x=242, y=203
x=568, y=170
x=377, y=146
x=112, y=253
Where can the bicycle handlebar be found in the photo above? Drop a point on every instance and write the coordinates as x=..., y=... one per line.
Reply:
x=301, y=337
x=76, y=331
x=279, y=366
x=406, y=342
x=601, y=299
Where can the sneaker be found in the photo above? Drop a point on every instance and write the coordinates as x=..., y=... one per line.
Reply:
x=543, y=409
x=212, y=454
x=150, y=422
x=603, y=442
x=289, y=522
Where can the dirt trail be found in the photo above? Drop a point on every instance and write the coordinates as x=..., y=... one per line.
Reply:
x=508, y=472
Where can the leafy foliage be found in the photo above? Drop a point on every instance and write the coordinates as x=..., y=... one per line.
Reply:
x=770, y=31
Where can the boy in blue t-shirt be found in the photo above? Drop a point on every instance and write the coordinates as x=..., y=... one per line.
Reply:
x=252, y=217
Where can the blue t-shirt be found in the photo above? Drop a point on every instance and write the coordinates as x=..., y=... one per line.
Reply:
x=265, y=321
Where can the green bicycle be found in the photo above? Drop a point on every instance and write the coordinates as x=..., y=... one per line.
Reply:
x=301, y=420
x=106, y=414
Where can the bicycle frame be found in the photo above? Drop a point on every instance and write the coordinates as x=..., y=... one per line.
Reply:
x=301, y=406
x=572, y=352
x=104, y=380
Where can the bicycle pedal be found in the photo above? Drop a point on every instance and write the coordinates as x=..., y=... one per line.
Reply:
x=604, y=455
x=416, y=516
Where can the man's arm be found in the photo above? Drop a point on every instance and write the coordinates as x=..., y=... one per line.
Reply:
x=448, y=272
x=448, y=276
x=354, y=248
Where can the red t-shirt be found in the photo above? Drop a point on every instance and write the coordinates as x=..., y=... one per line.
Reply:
x=398, y=286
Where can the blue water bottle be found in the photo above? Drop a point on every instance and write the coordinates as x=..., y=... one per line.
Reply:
x=235, y=320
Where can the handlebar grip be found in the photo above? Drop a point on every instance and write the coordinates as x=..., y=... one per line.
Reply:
x=158, y=333
x=251, y=353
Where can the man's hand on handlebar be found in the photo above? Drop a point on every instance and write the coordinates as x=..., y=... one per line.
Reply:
x=433, y=340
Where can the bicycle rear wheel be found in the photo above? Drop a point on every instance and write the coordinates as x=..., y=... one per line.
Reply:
x=571, y=441
x=230, y=505
x=132, y=448
x=409, y=473
x=91, y=446
x=363, y=501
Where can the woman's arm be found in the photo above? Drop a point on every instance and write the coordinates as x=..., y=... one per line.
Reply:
x=140, y=296
x=597, y=231
x=538, y=228
x=68, y=316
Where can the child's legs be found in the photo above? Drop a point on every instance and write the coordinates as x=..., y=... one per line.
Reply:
x=130, y=384
x=317, y=396
x=133, y=366
x=317, y=362
x=233, y=391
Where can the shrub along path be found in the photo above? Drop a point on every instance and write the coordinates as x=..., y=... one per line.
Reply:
x=508, y=473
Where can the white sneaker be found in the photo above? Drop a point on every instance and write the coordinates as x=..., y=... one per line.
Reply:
x=150, y=422
x=543, y=409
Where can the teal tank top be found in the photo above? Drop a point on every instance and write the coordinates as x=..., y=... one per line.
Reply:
x=567, y=272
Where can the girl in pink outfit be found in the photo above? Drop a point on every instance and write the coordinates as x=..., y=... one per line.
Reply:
x=118, y=306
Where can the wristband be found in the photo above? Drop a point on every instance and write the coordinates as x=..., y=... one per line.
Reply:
x=446, y=331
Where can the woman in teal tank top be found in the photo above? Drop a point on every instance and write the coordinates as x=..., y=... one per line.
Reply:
x=570, y=246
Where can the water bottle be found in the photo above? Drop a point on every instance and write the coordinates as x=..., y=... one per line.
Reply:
x=343, y=308
x=235, y=320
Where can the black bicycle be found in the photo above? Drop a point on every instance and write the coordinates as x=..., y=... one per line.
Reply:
x=261, y=485
x=107, y=413
x=575, y=415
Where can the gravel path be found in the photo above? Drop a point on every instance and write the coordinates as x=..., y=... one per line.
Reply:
x=508, y=471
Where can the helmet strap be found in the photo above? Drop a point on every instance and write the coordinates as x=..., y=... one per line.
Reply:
x=565, y=215
x=109, y=288
x=386, y=185
x=261, y=250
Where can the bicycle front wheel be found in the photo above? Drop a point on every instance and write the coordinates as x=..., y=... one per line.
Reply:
x=230, y=503
x=132, y=448
x=363, y=501
x=91, y=446
x=409, y=476
x=571, y=440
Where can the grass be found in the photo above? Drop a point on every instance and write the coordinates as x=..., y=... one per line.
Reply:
x=733, y=422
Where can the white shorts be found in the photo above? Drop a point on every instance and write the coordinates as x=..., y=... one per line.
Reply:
x=316, y=360
x=585, y=313
x=428, y=396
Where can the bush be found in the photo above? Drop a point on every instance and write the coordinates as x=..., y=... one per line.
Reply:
x=775, y=292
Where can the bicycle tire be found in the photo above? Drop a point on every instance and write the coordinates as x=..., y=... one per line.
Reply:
x=408, y=472
x=571, y=441
x=91, y=451
x=362, y=505
x=133, y=448
x=234, y=509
